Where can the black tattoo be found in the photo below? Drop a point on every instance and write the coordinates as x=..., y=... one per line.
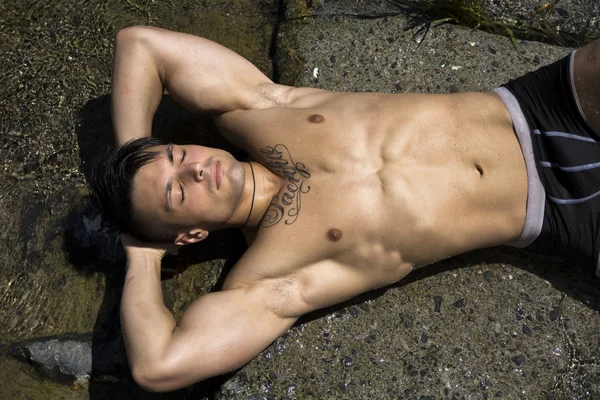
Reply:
x=285, y=206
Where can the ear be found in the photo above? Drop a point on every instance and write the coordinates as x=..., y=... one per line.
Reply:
x=190, y=237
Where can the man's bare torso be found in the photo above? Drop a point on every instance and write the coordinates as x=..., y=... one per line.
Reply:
x=380, y=184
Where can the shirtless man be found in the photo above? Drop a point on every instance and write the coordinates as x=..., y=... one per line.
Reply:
x=348, y=191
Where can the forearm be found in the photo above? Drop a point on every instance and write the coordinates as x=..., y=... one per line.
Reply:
x=147, y=324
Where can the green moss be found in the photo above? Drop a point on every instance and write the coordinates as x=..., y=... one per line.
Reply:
x=301, y=8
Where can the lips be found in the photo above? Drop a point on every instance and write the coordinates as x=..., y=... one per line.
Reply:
x=218, y=174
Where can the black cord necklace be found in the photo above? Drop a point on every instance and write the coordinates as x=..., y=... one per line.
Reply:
x=253, y=193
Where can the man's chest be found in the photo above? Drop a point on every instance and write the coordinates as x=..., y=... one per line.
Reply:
x=311, y=236
x=364, y=214
x=318, y=194
x=320, y=138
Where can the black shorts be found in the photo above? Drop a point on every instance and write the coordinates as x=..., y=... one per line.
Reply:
x=562, y=155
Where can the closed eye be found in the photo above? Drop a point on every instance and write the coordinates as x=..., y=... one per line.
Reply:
x=182, y=192
x=183, y=153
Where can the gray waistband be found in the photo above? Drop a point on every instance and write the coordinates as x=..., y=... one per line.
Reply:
x=535, y=191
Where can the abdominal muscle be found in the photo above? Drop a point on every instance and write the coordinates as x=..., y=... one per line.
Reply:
x=439, y=175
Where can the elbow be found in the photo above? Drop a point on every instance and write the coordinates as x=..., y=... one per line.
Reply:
x=155, y=378
x=137, y=45
x=136, y=35
x=131, y=34
x=146, y=378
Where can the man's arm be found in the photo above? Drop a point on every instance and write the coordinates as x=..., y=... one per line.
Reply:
x=218, y=333
x=201, y=75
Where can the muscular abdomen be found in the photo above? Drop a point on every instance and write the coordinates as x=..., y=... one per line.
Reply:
x=452, y=174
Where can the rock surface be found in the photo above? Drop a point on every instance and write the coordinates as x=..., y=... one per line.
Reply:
x=494, y=324
x=568, y=22
x=65, y=361
x=510, y=325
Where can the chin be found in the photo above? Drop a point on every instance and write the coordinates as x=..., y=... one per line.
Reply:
x=236, y=176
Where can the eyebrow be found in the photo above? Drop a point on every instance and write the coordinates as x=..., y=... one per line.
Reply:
x=168, y=198
x=170, y=152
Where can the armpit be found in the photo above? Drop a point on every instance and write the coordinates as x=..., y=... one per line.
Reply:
x=272, y=95
x=284, y=297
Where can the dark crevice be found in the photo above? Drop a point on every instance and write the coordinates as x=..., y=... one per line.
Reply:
x=273, y=50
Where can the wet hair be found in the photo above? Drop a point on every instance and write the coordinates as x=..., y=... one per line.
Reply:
x=112, y=188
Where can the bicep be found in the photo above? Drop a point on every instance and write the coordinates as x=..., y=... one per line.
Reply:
x=203, y=75
x=220, y=332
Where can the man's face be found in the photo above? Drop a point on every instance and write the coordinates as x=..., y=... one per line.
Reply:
x=189, y=186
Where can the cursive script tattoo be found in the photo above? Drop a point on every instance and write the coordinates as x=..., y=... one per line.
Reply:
x=287, y=204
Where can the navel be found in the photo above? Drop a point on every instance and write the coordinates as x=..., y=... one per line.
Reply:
x=334, y=234
x=479, y=169
x=316, y=118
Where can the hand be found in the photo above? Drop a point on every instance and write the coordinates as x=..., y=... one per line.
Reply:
x=135, y=248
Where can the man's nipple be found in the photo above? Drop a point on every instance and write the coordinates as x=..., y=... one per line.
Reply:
x=334, y=234
x=316, y=118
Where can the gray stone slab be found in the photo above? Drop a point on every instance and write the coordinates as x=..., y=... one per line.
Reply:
x=353, y=54
x=62, y=360
x=493, y=324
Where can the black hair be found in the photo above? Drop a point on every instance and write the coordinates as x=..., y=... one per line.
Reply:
x=112, y=186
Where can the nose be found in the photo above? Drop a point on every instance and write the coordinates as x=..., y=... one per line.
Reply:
x=195, y=171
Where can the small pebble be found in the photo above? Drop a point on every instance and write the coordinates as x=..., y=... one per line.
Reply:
x=407, y=320
x=518, y=360
x=488, y=275
x=525, y=297
x=496, y=328
x=291, y=389
x=554, y=313
x=459, y=304
x=437, y=303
